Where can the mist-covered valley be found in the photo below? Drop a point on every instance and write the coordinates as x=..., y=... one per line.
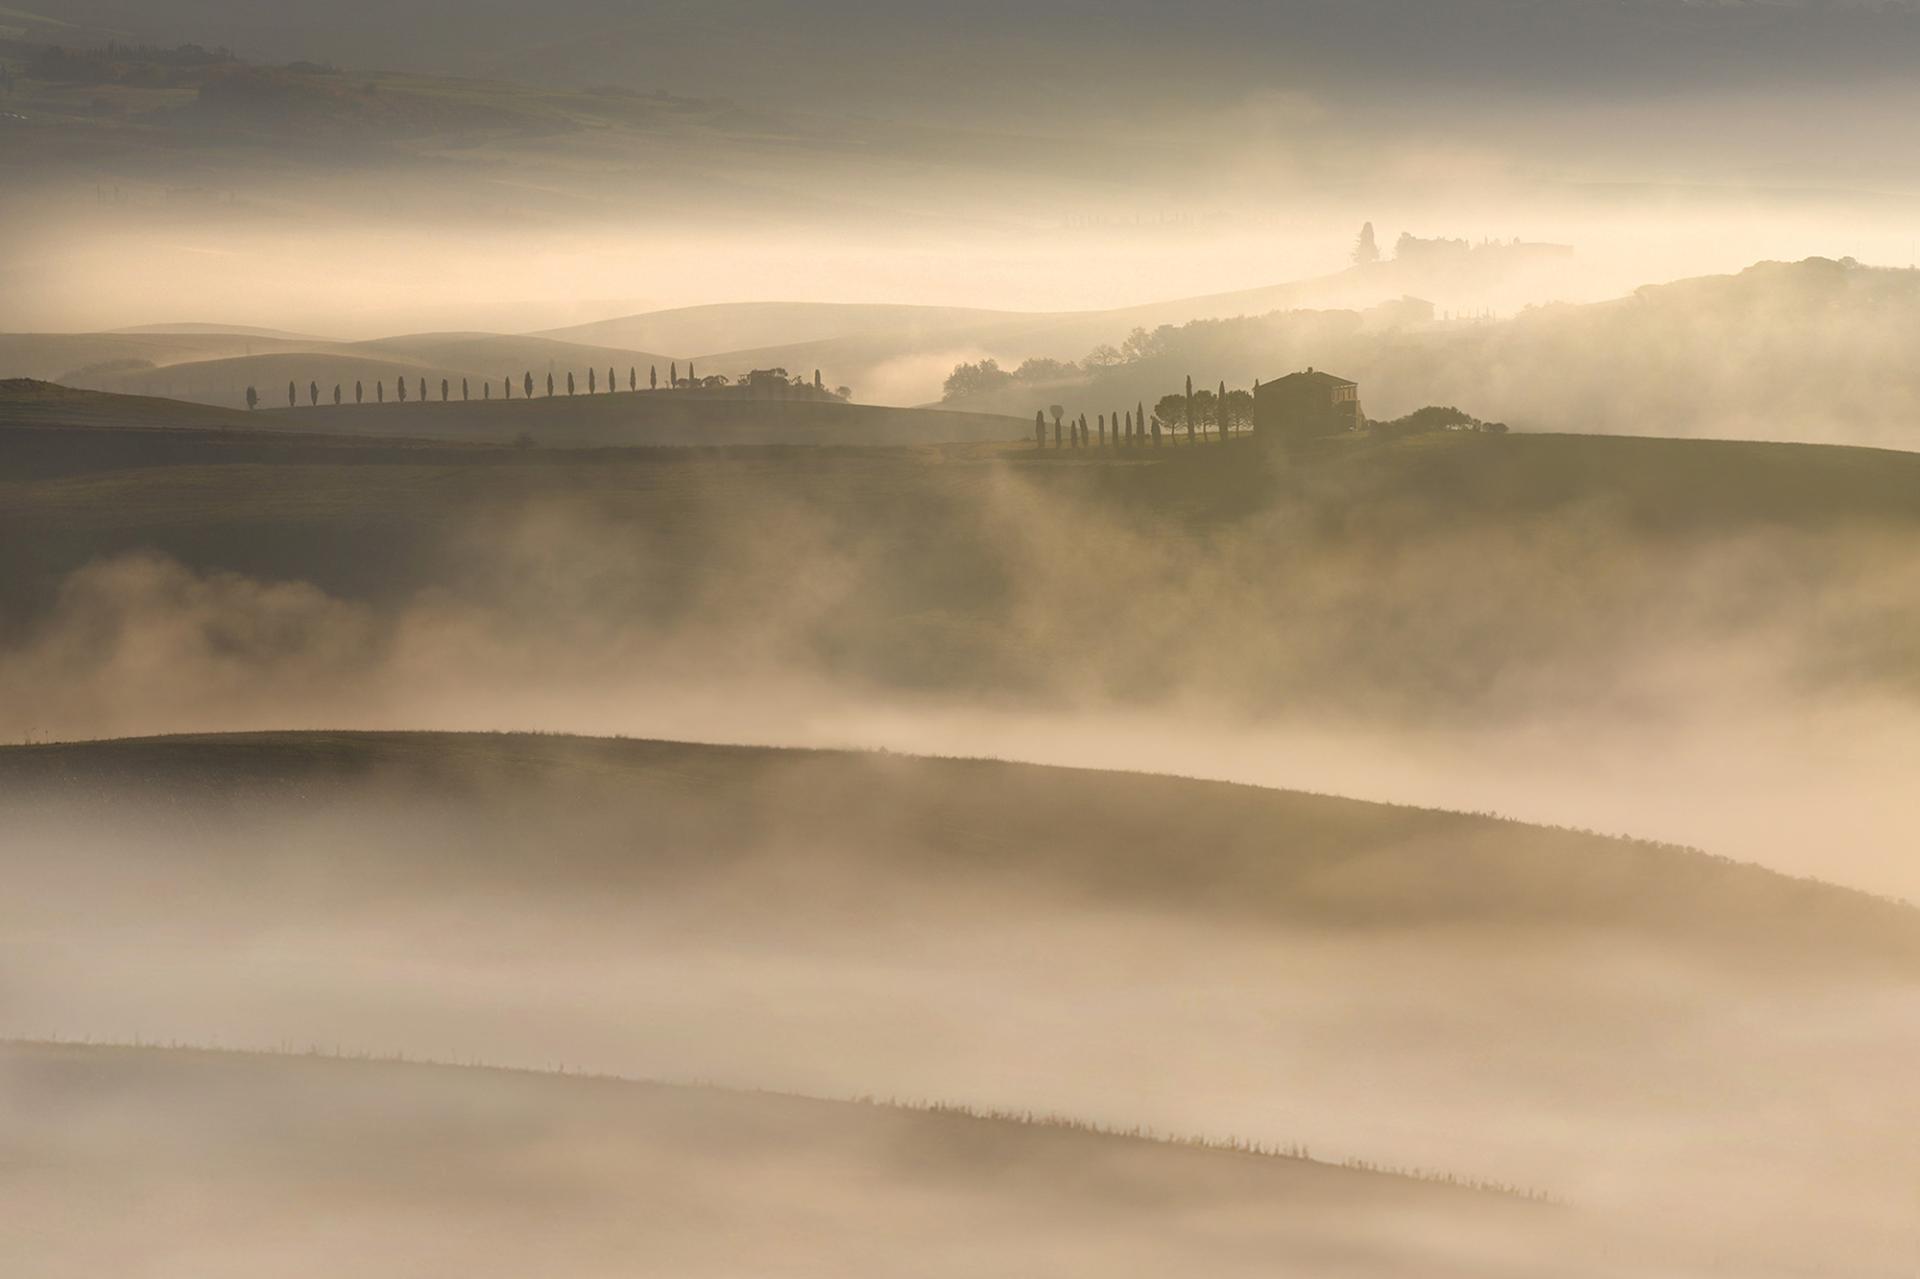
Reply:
x=714, y=640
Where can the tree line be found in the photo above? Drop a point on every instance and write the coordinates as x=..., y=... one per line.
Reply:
x=1200, y=415
x=758, y=381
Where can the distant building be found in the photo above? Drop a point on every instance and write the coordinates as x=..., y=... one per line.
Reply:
x=1305, y=405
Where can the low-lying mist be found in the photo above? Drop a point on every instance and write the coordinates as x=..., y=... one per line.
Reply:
x=1744, y=685
x=1709, y=1060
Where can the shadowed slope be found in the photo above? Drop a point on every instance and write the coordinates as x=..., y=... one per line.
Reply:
x=1236, y=853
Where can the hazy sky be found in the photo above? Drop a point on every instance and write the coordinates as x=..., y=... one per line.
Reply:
x=991, y=154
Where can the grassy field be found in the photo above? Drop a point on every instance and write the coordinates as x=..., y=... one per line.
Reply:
x=1270, y=858
x=663, y=419
x=956, y=565
x=1407, y=987
x=598, y=1171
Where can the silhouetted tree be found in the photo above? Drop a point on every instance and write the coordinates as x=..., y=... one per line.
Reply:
x=293, y=395
x=313, y=394
x=1039, y=429
x=380, y=392
x=653, y=377
x=593, y=382
x=359, y=393
x=673, y=375
x=818, y=385
x=486, y=389
x=1140, y=418
x=336, y=395
x=1189, y=408
x=1056, y=435
x=400, y=388
x=1103, y=430
x=549, y=384
x=1222, y=408
x=1058, y=412
x=1365, y=251
x=633, y=378
x=569, y=381
x=253, y=398
x=692, y=379
x=466, y=392
x=423, y=390
x=446, y=391
x=612, y=385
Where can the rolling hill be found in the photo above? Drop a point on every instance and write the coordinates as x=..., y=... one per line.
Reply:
x=217, y=368
x=623, y=420
x=1405, y=985
x=492, y=1173
x=658, y=419
x=902, y=353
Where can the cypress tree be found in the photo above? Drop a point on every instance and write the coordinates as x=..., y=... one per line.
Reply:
x=593, y=382
x=400, y=388
x=1103, y=432
x=1140, y=417
x=1189, y=408
x=612, y=385
x=673, y=375
x=1226, y=419
x=380, y=392
x=653, y=377
x=423, y=390
x=633, y=378
x=1056, y=435
x=569, y=381
x=359, y=393
x=253, y=398
x=313, y=394
x=336, y=395
x=1039, y=429
x=527, y=386
x=293, y=395
x=446, y=392
x=466, y=393
x=486, y=389
x=549, y=384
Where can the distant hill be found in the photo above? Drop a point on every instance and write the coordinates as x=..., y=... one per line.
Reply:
x=601, y=1171
x=25, y=402
x=1812, y=351
x=901, y=354
x=655, y=418
x=243, y=330
x=625, y=419
x=217, y=368
x=741, y=326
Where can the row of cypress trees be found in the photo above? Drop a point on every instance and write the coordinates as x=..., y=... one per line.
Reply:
x=1134, y=430
x=486, y=388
